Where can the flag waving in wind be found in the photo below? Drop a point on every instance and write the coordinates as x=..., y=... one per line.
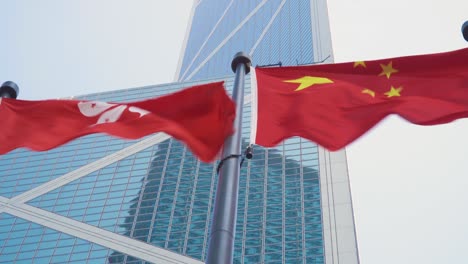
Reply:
x=334, y=104
x=200, y=116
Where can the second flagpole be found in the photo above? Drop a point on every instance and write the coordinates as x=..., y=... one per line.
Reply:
x=223, y=226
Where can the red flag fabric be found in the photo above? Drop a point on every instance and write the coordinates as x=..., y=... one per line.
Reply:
x=334, y=104
x=201, y=116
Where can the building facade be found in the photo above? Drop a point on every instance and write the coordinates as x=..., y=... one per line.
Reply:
x=99, y=199
x=279, y=33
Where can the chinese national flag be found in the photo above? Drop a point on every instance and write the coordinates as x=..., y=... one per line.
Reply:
x=200, y=116
x=334, y=104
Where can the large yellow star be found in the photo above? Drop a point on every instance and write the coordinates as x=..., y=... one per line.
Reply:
x=308, y=81
x=387, y=70
x=359, y=63
x=369, y=92
x=394, y=92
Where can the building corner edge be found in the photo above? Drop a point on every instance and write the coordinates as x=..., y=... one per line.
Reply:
x=339, y=232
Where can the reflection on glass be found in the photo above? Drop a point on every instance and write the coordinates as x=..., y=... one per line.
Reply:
x=279, y=215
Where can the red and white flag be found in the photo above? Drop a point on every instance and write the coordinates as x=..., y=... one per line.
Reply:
x=201, y=116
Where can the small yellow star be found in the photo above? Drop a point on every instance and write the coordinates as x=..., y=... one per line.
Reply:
x=394, y=92
x=369, y=92
x=387, y=70
x=307, y=81
x=359, y=63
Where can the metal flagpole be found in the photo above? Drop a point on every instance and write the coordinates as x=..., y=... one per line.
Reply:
x=9, y=89
x=223, y=226
x=465, y=30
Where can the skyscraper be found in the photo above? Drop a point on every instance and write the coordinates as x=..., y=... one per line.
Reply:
x=279, y=33
x=100, y=199
x=273, y=32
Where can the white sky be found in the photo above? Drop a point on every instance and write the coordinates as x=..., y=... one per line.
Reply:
x=409, y=183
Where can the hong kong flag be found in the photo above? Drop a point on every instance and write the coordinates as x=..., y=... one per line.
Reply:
x=200, y=116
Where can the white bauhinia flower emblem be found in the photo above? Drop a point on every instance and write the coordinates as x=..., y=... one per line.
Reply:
x=108, y=113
